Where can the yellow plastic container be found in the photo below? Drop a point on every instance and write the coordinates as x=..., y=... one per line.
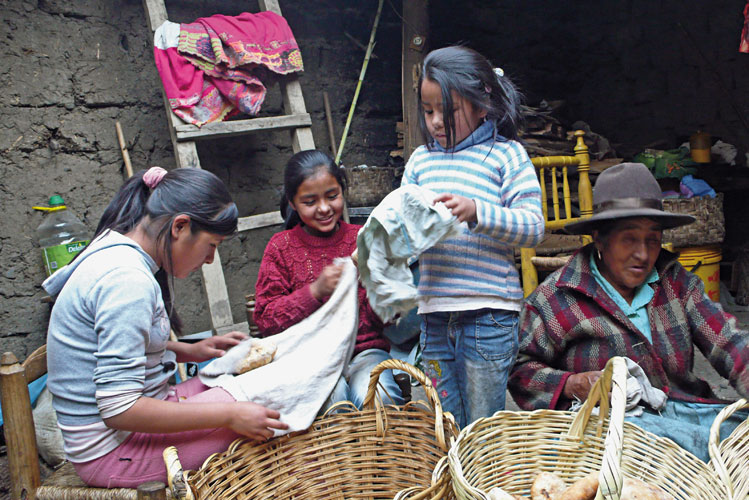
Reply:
x=699, y=145
x=705, y=263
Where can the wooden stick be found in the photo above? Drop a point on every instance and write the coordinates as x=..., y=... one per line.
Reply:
x=123, y=150
x=329, y=120
x=370, y=46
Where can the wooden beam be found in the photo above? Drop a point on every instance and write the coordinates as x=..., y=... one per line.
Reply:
x=155, y=13
x=242, y=326
x=414, y=48
x=189, y=132
x=214, y=285
x=23, y=463
x=258, y=221
x=36, y=364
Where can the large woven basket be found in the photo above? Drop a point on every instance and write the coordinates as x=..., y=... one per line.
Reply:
x=730, y=458
x=372, y=453
x=509, y=449
x=708, y=229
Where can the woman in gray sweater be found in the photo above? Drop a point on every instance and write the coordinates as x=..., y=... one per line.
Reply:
x=108, y=350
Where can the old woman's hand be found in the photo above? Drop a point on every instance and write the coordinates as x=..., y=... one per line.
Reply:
x=577, y=385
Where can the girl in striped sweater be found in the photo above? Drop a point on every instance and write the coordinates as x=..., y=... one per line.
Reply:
x=469, y=290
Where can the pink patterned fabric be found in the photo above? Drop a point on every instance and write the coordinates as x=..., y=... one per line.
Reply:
x=219, y=65
x=153, y=176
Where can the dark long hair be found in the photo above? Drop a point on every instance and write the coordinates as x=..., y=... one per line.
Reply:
x=472, y=76
x=194, y=192
x=299, y=168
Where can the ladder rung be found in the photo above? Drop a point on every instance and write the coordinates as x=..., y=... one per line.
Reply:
x=242, y=326
x=258, y=221
x=189, y=132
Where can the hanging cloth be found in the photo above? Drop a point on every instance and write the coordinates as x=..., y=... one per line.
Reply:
x=744, y=45
x=215, y=67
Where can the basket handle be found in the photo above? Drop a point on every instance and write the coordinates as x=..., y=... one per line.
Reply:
x=716, y=458
x=613, y=380
x=371, y=400
x=440, y=481
x=176, y=476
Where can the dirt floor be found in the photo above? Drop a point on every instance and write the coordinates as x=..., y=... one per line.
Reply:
x=702, y=368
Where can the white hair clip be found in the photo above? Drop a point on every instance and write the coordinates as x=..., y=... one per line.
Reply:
x=499, y=72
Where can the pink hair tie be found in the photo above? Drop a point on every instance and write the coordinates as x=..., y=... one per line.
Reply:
x=153, y=176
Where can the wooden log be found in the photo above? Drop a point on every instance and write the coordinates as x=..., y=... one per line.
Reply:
x=18, y=427
x=413, y=47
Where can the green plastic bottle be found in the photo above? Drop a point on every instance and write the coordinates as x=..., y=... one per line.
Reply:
x=61, y=235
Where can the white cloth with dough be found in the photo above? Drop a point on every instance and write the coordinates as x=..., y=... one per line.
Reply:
x=310, y=358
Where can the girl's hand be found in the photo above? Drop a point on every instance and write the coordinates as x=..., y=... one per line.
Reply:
x=461, y=207
x=324, y=285
x=578, y=385
x=214, y=347
x=255, y=421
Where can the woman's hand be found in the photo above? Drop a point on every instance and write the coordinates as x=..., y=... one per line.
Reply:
x=324, y=285
x=577, y=385
x=461, y=207
x=255, y=421
x=212, y=347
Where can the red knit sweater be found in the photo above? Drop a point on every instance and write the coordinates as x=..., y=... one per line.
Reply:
x=293, y=260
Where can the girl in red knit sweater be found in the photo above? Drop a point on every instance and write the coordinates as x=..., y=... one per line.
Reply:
x=297, y=274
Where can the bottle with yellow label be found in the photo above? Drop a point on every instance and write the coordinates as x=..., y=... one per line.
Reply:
x=62, y=235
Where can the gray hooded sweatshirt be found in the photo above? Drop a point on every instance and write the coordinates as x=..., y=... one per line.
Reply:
x=106, y=344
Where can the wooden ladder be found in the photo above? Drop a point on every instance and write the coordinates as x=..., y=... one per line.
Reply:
x=184, y=135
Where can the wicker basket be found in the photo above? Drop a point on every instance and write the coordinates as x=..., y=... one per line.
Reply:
x=509, y=449
x=371, y=453
x=708, y=229
x=367, y=186
x=731, y=457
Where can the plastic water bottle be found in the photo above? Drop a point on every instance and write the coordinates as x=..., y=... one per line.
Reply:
x=62, y=235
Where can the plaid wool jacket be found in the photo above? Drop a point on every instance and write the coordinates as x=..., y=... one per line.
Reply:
x=570, y=325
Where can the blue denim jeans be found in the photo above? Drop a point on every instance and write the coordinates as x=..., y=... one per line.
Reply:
x=688, y=424
x=468, y=356
x=352, y=386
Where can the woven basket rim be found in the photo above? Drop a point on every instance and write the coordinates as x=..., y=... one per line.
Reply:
x=514, y=445
x=389, y=439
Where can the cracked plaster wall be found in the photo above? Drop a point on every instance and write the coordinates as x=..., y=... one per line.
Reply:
x=74, y=68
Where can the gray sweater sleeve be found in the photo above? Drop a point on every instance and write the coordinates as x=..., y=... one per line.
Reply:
x=130, y=328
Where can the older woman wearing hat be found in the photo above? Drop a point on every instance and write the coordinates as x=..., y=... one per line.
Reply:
x=624, y=295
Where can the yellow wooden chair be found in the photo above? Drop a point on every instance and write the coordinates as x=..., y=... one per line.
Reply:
x=557, y=207
x=23, y=459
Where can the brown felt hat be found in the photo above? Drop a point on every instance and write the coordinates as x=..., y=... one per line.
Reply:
x=627, y=190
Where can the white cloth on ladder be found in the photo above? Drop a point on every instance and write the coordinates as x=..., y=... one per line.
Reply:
x=310, y=358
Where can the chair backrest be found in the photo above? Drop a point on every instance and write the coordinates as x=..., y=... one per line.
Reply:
x=558, y=207
x=561, y=206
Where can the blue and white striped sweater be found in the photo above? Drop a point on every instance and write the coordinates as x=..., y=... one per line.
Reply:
x=501, y=179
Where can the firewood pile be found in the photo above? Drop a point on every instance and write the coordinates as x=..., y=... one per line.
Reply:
x=544, y=134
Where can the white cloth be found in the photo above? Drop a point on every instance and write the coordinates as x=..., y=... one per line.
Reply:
x=401, y=227
x=638, y=390
x=309, y=360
